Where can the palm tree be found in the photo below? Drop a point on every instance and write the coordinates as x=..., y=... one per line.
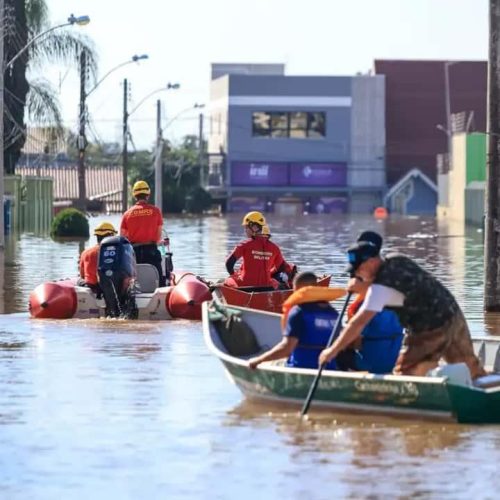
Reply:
x=27, y=93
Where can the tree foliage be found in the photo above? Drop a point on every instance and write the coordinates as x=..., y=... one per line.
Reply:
x=26, y=93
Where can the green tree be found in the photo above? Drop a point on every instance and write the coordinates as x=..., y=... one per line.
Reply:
x=26, y=91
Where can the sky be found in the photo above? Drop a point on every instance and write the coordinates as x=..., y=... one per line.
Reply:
x=183, y=37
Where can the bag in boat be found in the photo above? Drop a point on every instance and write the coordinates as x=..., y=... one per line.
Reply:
x=236, y=335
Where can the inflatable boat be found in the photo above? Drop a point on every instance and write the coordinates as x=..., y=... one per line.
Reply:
x=127, y=290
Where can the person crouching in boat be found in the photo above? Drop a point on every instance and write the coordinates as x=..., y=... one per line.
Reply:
x=259, y=257
x=377, y=349
x=287, y=271
x=142, y=225
x=308, y=325
x=90, y=256
x=435, y=325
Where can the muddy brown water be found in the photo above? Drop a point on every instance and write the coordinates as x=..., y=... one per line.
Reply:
x=107, y=408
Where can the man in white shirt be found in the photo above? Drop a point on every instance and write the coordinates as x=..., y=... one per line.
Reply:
x=435, y=325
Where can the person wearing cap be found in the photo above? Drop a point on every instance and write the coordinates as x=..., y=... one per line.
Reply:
x=259, y=255
x=378, y=346
x=90, y=256
x=142, y=225
x=435, y=325
x=307, y=328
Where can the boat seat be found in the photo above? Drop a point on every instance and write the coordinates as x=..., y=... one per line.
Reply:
x=147, y=278
x=456, y=373
x=487, y=381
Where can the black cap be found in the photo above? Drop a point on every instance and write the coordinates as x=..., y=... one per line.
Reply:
x=371, y=237
x=359, y=253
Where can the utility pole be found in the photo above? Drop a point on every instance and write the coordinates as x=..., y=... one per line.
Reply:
x=125, y=148
x=2, y=170
x=158, y=159
x=492, y=202
x=82, y=140
x=200, y=149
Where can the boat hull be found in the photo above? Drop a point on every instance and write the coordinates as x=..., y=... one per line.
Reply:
x=421, y=397
x=65, y=299
x=271, y=301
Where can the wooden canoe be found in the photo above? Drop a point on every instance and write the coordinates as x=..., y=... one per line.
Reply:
x=271, y=300
x=435, y=397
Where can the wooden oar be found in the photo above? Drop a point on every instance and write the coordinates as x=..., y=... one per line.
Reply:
x=333, y=335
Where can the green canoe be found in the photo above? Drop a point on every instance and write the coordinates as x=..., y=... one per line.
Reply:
x=235, y=334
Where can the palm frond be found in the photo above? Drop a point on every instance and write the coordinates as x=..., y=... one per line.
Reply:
x=37, y=16
x=64, y=46
x=43, y=105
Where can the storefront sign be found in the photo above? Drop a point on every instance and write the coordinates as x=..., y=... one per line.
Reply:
x=318, y=174
x=259, y=174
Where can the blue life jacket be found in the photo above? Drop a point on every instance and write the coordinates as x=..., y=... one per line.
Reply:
x=381, y=342
x=318, y=325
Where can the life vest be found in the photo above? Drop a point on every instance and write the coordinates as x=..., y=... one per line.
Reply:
x=310, y=294
x=380, y=340
x=318, y=325
x=427, y=305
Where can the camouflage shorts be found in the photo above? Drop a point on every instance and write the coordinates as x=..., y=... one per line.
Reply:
x=452, y=342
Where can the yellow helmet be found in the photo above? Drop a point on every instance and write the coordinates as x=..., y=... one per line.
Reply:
x=266, y=231
x=141, y=187
x=253, y=218
x=104, y=229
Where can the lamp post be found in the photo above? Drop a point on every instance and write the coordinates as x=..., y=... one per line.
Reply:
x=126, y=116
x=82, y=140
x=80, y=21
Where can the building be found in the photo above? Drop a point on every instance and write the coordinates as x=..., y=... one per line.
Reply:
x=294, y=144
x=415, y=110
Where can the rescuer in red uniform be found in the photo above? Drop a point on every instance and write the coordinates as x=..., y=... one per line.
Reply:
x=260, y=257
x=142, y=225
x=89, y=257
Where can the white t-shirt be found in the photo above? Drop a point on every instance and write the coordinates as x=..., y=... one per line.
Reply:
x=380, y=296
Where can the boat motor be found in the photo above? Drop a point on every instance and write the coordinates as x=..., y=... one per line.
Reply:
x=117, y=272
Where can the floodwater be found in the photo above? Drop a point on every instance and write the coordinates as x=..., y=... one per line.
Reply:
x=107, y=408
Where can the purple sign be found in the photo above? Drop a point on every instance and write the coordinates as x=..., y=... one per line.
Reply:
x=259, y=174
x=328, y=205
x=318, y=174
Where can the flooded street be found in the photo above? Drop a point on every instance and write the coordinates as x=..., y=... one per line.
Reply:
x=108, y=408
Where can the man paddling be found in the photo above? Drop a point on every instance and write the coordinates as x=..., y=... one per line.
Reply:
x=435, y=325
x=308, y=324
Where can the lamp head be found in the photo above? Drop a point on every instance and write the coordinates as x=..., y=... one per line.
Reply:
x=80, y=20
x=198, y=105
x=174, y=86
x=141, y=57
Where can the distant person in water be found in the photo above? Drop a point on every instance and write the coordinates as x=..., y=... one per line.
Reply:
x=436, y=327
x=307, y=329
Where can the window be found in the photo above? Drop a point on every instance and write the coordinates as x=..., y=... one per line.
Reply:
x=292, y=124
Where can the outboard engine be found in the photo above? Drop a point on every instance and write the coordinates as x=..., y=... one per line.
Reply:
x=116, y=270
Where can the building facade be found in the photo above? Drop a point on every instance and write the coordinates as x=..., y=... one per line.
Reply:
x=293, y=144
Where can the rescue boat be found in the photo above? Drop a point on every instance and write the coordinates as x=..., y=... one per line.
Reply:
x=64, y=299
x=257, y=298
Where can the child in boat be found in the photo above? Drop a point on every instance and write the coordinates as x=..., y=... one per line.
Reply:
x=89, y=257
x=259, y=257
x=307, y=329
x=435, y=325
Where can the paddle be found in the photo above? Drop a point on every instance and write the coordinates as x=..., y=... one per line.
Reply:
x=333, y=335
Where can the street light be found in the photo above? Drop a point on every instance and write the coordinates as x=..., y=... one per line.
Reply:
x=80, y=21
x=82, y=141
x=172, y=120
x=126, y=115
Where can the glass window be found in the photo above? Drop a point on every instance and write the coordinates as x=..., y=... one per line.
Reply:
x=316, y=125
x=279, y=124
x=261, y=124
x=298, y=125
